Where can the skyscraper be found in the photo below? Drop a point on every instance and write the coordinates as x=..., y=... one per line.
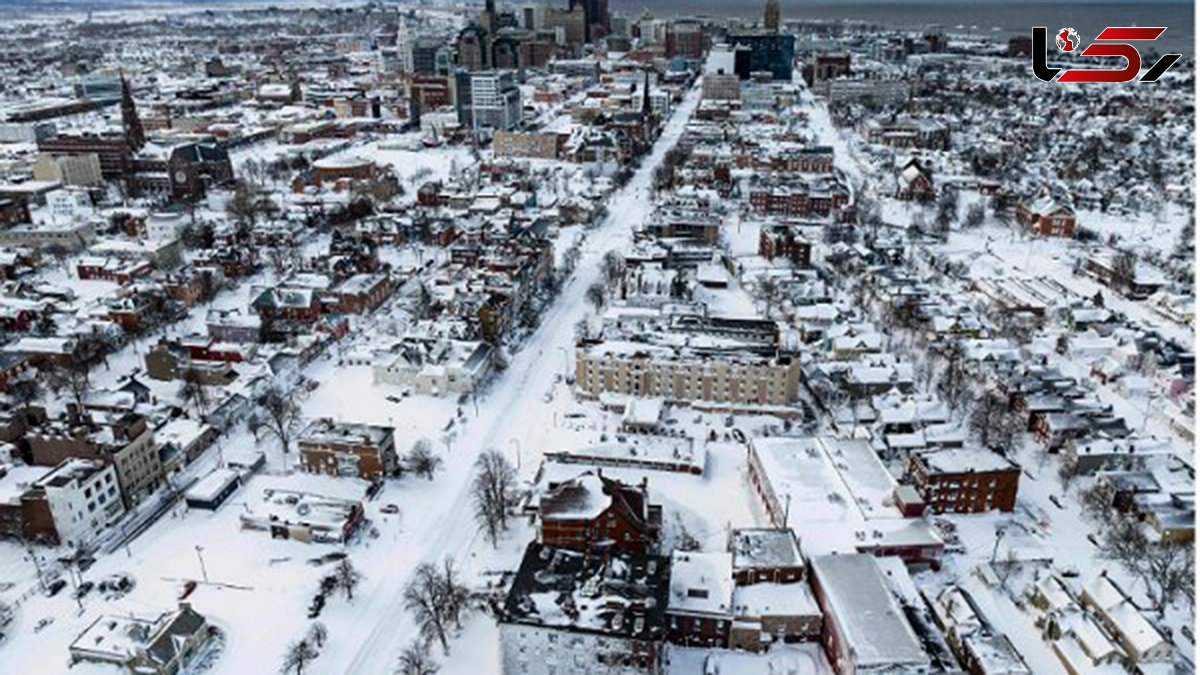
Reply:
x=487, y=19
x=771, y=17
x=595, y=16
x=404, y=48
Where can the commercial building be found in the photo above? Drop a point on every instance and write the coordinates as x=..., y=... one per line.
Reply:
x=81, y=170
x=348, y=449
x=865, y=627
x=763, y=53
x=495, y=101
x=124, y=440
x=83, y=497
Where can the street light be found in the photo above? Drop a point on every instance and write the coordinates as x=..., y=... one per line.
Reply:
x=566, y=362
x=1001, y=530
x=517, y=445
x=200, y=557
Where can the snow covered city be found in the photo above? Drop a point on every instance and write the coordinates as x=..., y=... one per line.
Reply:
x=613, y=337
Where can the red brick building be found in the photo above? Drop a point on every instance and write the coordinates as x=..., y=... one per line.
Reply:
x=593, y=512
x=965, y=480
x=1047, y=217
x=346, y=449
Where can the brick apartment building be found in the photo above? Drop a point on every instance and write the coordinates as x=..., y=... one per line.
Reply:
x=348, y=449
x=965, y=480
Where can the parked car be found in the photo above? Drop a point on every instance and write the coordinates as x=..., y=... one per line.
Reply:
x=56, y=587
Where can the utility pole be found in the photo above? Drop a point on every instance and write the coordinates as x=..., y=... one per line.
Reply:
x=37, y=565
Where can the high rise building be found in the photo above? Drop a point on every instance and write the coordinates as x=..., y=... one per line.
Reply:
x=495, y=101
x=595, y=14
x=404, y=48
x=771, y=16
x=473, y=52
x=758, y=53
x=488, y=18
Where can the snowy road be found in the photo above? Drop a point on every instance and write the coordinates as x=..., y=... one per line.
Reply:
x=513, y=408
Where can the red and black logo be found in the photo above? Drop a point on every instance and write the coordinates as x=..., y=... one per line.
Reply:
x=1112, y=41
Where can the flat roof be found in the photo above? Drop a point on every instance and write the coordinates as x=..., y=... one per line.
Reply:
x=871, y=622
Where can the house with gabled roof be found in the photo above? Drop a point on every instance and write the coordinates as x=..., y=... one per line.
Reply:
x=592, y=512
x=1047, y=217
x=158, y=646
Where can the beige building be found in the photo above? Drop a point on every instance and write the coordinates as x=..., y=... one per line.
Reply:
x=721, y=87
x=125, y=441
x=527, y=144
x=70, y=236
x=684, y=376
x=81, y=170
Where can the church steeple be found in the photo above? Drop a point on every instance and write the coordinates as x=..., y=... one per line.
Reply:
x=646, y=93
x=130, y=122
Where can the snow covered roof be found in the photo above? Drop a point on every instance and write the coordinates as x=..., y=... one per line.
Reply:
x=1127, y=618
x=766, y=547
x=966, y=460
x=772, y=599
x=208, y=488
x=869, y=618
x=615, y=594
x=701, y=583
x=579, y=499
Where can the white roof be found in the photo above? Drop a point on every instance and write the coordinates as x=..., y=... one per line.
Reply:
x=771, y=599
x=701, y=583
x=207, y=488
x=871, y=622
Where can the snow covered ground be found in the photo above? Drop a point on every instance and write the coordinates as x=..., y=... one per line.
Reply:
x=260, y=588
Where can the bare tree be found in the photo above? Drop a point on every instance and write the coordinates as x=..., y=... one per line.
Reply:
x=770, y=292
x=416, y=660
x=297, y=657
x=993, y=421
x=953, y=385
x=279, y=260
x=1171, y=569
x=421, y=460
x=596, y=294
x=348, y=578
x=194, y=392
x=452, y=592
x=74, y=378
x=317, y=635
x=25, y=391
x=613, y=267
x=493, y=492
x=1097, y=501
x=281, y=416
x=243, y=204
x=423, y=598
x=975, y=216
x=1005, y=569
x=1124, y=269
x=1167, y=568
